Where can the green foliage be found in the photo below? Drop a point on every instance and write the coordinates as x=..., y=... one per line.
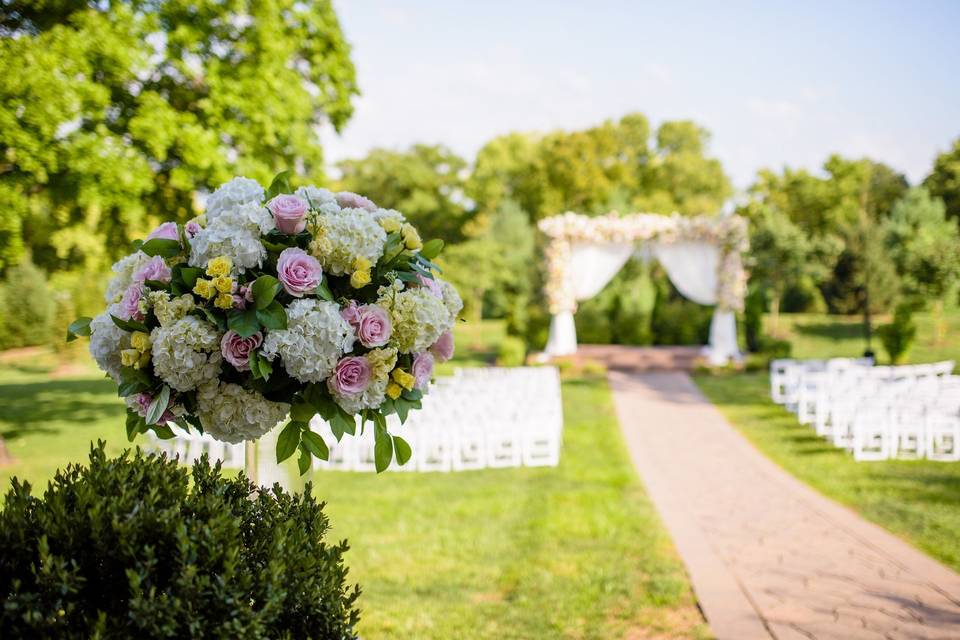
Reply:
x=613, y=165
x=944, y=180
x=512, y=352
x=898, y=336
x=680, y=321
x=753, y=308
x=135, y=546
x=924, y=244
x=622, y=312
x=113, y=115
x=424, y=182
x=27, y=307
x=864, y=279
x=775, y=348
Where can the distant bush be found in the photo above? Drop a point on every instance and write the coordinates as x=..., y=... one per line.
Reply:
x=774, y=348
x=131, y=548
x=27, y=307
x=898, y=336
x=753, y=319
x=681, y=322
x=512, y=352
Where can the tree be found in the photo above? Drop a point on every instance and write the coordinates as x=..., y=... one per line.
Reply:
x=944, y=180
x=781, y=254
x=114, y=114
x=425, y=183
x=925, y=246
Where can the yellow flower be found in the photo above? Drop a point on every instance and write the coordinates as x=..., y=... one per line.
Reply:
x=360, y=279
x=223, y=301
x=204, y=288
x=219, y=267
x=140, y=341
x=389, y=224
x=403, y=378
x=129, y=357
x=144, y=360
x=361, y=264
x=382, y=361
x=394, y=390
x=411, y=239
x=223, y=284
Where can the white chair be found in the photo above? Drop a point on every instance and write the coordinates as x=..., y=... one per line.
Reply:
x=871, y=433
x=943, y=437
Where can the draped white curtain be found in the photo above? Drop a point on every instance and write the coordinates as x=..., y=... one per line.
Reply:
x=691, y=267
x=591, y=267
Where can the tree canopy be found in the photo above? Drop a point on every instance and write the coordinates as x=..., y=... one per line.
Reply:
x=944, y=180
x=115, y=114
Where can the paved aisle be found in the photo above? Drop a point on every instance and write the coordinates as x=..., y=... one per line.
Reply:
x=768, y=556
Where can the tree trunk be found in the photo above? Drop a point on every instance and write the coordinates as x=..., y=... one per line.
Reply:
x=5, y=457
x=775, y=315
x=867, y=324
x=939, y=323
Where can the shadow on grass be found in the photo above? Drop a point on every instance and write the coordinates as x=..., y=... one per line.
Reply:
x=39, y=407
x=833, y=330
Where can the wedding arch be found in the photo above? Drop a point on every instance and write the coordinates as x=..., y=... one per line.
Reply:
x=703, y=257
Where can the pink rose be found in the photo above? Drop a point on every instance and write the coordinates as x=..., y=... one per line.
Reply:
x=130, y=304
x=422, y=369
x=155, y=269
x=289, y=212
x=350, y=200
x=192, y=228
x=443, y=347
x=241, y=296
x=166, y=231
x=351, y=313
x=351, y=376
x=144, y=400
x=373, y=326
x=430, y=284
x=298, y=271
x=237, y=350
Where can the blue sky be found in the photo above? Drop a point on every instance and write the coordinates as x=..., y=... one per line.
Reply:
x=776, y=83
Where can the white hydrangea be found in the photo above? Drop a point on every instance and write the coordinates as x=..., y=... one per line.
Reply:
x=418, y=317
x=231, y=195
x=317, y=196
x=315, y=338
x=344, y=237
x=380, y=214
x=230, y=413
x=106, y=342
x=371, y=398
x=451, y=299
x=124, y=268
x=186, y=354
x=234, y=233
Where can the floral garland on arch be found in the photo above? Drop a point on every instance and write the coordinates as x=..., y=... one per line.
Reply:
x=728, y=233
x=272, y=304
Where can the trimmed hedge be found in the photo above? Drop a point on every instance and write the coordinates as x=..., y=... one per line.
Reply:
x=129, y=547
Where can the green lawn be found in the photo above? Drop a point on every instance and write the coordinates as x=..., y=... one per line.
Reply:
x=575, y=551
x=815, y=335
x=918, y=500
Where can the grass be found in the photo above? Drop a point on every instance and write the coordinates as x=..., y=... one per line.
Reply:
x=575, y=551
x=918, y=500
x=815, y=335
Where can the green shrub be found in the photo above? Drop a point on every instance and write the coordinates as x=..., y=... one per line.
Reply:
x=898, y=336
x=512, y=352
x=753, y=319
x=681, y=322
x=131, y=548
x=27, y=307
x=774, y=348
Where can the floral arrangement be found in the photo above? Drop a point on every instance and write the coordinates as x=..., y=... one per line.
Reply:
x=729, y=233
x=272, y=304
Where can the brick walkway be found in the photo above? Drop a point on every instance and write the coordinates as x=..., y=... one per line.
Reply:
x=768, y=556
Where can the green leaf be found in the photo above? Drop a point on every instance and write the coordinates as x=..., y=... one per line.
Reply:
x=129, y=325
x=316, y=444
x=342, y=422
x=301, y=410
x=323, y=290
x=273, y=317
x=243, y=321
x=214, y=318
x=265, y=289
x=432, y=248
x=403, y=409
x=133, y=424
x=79, y=327
x=133, y=381
x=156, y=285
x=158, y=406
x=164, y=432
x=303, y=462
x=161, y=247
x=403, y=450
x=288, y=440
x=264, y=368
x=382, y=450
x=279, y=185
x=189, y=275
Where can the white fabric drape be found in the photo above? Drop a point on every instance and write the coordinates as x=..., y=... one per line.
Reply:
x=591, y=267
x=692, y=268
